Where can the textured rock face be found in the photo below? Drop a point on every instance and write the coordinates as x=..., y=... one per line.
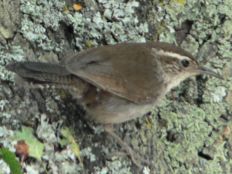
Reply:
x=191, y=130
x=9, y=19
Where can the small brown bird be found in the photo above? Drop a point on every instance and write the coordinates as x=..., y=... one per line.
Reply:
x=117, y=83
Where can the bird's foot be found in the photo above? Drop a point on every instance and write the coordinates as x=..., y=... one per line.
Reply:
x=135, y=157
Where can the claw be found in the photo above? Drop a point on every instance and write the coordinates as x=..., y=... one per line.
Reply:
x=135, y=158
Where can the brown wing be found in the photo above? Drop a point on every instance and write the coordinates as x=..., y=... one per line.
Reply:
x=127, y=70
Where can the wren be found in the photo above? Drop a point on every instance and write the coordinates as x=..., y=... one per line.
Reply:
x=117, y=83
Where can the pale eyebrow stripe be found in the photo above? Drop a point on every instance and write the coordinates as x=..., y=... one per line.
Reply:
x=169, y=54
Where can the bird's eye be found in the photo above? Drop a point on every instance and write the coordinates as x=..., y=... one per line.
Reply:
x=184, y=63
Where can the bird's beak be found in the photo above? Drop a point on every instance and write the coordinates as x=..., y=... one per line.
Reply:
x=207, y=71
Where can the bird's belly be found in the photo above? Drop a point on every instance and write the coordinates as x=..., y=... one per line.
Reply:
x=114, y=110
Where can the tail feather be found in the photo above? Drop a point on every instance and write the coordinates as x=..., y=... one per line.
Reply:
x=41, y=72
x=21, y=67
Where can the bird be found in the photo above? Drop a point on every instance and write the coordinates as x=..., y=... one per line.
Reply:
x=117, y=83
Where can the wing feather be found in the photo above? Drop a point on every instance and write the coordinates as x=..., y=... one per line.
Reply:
x=126, y=70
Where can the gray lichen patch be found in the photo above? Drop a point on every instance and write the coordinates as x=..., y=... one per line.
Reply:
x=110, y=24
x=38, y=18
x=114, y=22
x=7, y=55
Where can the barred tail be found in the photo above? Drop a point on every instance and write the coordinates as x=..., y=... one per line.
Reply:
x=41, y=72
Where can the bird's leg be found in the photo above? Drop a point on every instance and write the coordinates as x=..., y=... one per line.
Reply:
x=136, y=159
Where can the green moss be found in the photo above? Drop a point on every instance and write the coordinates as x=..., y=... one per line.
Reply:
x=181, y=2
